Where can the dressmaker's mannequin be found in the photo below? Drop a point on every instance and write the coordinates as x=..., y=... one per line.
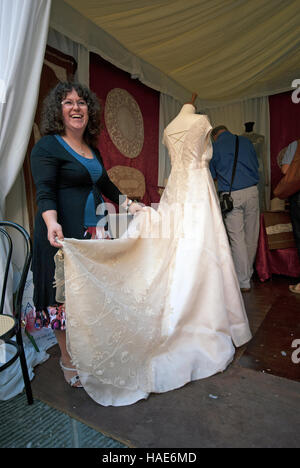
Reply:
x=181, y=124
x=186, y=117
x=258, y=142
x=183, y=121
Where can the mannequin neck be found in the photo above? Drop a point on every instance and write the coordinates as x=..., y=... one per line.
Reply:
x=187, y=109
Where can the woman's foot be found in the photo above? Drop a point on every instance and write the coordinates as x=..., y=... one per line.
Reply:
x=295, y=288
x=71, y=376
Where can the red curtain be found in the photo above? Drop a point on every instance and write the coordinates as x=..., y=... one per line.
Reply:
x=103, y=78
x=284, y=128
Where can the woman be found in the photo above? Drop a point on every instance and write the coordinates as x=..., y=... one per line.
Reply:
x=70, y=177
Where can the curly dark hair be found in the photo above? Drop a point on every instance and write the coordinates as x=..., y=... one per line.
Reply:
x=52, y=119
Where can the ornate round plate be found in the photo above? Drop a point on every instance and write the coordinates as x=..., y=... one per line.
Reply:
x=124, y=122
x=129, y=180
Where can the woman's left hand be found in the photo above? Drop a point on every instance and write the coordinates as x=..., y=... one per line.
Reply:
x=134, y=208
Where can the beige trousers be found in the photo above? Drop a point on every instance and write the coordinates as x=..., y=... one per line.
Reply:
x=242, y=225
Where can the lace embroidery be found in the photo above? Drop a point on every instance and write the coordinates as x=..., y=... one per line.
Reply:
x=135, y=319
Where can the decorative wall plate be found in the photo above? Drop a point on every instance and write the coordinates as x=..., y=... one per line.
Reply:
x=129, y=181
x=124, y=122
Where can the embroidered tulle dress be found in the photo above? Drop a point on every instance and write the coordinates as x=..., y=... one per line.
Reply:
x=160, y=306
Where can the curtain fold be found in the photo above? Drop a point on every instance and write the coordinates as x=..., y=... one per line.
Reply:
x=224, y=50
x=22, y=47
x=77, y=27
x=76, y=50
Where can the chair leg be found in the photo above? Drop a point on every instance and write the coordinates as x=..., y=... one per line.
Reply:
x=24, y=369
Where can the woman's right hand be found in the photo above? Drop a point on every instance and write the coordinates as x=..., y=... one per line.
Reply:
x=134, y=208
x=55, y=230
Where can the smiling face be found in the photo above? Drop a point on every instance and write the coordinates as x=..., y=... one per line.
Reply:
x=75, y=113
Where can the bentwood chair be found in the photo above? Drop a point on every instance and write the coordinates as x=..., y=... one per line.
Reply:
x=11, y=325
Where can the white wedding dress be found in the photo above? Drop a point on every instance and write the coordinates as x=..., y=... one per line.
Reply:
x=160, y=306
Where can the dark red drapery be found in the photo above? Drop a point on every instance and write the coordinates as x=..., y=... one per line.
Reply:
x=284, y=128
x=103, y=78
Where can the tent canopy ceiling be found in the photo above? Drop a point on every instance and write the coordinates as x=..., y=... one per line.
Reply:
x=223, y=50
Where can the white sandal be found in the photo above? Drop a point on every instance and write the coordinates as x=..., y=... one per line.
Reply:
x=73, y=380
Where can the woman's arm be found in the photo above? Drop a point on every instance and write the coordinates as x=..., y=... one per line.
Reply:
x=284, y=168
x=44, y=168
x=54, y=229
x=288, y=156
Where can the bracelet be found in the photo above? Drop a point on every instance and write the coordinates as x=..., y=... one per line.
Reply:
x=128, y=205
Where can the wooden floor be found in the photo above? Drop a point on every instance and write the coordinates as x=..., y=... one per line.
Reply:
x=254, y=403
x=271, y=350
x=274, y=314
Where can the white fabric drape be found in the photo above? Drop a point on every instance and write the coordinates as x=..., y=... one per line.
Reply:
x=77, y=27
x=16, y=202
x=222, y=50
x=23, y=34
x=78, y=51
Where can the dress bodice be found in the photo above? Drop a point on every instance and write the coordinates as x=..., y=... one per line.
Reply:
x=190, y=147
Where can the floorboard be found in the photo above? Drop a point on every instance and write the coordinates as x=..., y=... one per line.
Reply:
x=254, y=403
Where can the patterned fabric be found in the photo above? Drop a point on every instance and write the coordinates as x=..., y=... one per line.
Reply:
x=54, y=317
